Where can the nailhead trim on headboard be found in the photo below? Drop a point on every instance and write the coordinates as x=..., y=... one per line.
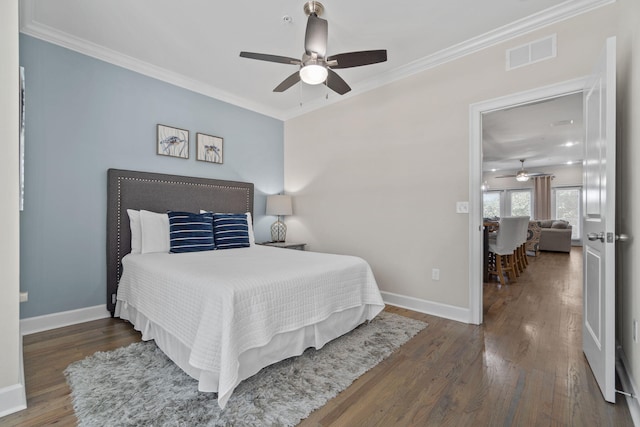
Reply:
x=120, y=198
x=120, y=179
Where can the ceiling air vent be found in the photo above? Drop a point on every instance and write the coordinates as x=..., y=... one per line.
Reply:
x=530, y=53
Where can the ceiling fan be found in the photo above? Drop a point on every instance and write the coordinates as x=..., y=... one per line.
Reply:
x=315, y=66
x=522, y=175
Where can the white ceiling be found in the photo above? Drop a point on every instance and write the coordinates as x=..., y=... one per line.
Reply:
x=545, y=133
x=195, y=44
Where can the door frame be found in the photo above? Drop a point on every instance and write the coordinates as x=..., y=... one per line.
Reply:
x=475, y=175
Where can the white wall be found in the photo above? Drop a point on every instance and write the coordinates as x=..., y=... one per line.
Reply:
x=628, y=206
x=11, y=389
x=378, y=175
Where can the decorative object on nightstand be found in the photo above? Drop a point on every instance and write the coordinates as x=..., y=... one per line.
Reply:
x=279, y=205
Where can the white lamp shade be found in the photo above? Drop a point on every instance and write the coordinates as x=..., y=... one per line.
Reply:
x=279, y=205
x=313, y=74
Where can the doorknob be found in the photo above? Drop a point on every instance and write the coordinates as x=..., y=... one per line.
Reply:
x=622, y=237
x=596, y=236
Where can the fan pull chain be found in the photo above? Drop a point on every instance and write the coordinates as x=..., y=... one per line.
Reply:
x=300, y=93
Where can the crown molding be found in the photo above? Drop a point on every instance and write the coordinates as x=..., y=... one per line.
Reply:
x=552, y=15
x=40, y=31
x=555, y=14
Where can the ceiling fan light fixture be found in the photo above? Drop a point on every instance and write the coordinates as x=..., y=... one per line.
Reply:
x=313, y=74
x=315, y=66
x=522, y=175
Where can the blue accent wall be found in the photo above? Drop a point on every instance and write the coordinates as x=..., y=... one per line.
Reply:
x=84, y=116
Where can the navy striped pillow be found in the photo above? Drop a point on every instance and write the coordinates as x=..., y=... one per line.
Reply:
x=189, y=232
x=230, y=231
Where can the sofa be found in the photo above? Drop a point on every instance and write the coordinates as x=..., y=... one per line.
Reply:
x=549, y=235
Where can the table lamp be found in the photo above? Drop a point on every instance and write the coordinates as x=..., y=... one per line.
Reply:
x=279, y=205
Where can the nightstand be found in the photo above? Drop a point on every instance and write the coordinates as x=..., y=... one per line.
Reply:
x=287, y=245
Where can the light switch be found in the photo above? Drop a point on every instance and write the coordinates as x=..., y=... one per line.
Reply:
x=462, y=207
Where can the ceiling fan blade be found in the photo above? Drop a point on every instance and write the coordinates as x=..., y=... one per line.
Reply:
x=270, y=58
x=336, y=84
x=357, y=59
x=315, y=39
x=532, y=174
x=288, y=82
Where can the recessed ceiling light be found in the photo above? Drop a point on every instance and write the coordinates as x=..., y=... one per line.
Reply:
x=569, y=144
x=494, y=169
x=570, y=162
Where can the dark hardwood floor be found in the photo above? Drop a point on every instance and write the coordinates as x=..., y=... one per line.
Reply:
x=523, y=367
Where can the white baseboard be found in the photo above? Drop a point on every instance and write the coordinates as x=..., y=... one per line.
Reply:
x=428, y=307
x=12, y=399
x=629, y=386
x=31, y=325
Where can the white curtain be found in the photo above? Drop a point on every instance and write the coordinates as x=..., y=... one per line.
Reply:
x=542, y=197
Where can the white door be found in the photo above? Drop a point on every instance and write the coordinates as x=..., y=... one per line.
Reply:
x=598, y=221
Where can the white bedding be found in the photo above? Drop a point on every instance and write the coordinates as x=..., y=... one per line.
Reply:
x=223, y=307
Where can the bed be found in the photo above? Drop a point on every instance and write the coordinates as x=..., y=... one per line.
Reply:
x=222, y=315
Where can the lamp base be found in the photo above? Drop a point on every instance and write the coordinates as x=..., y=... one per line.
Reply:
x=278, y=231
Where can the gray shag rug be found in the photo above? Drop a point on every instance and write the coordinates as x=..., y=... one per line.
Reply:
x=138, y=385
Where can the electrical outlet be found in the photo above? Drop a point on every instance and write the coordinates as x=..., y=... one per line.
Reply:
x=24, y=296
x=435, y=274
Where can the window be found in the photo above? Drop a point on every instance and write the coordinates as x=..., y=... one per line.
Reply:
x=499, y=203
x=519, y=203
x=567, y=206
x=491, y=201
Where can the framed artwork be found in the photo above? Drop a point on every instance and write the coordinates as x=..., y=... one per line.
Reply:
x=173, y=142
x=21, y=140
x=208, y=148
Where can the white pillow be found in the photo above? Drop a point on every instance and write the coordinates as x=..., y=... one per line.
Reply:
x=155, y=232
x=136, y=231
x=252, y=238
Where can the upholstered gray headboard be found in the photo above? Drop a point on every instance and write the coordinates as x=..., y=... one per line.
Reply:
x=160, y=193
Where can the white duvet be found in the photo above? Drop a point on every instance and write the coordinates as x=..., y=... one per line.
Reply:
x=219, y=304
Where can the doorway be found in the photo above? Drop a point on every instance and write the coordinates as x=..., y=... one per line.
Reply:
x=476, y=176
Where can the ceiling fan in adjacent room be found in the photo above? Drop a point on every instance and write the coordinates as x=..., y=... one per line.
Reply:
x=522, y=175
x=315, y=66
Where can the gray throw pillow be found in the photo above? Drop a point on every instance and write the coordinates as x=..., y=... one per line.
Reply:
x=559, y=224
